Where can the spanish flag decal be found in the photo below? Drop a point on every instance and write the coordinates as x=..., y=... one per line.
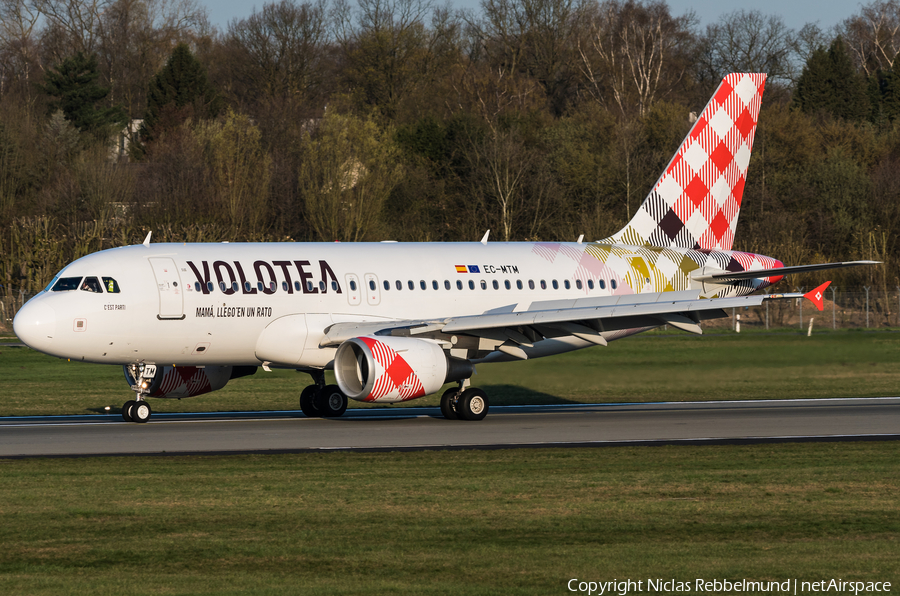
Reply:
x=461, y=269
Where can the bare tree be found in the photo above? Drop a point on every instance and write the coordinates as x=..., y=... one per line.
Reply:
x=18, y=55
x=873, y=36
x=533, y=37
x=278, y=52
x=748, y=41
x=135, y=39
x=637, y=52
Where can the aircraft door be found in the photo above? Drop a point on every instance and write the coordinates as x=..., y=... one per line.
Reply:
x=353, y=289
x=373, y=296
x=168, y=284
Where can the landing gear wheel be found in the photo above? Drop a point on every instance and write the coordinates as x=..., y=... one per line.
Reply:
x=448, y=403
x=331, y=402
x=308, y=401
x=126, y=410
x=472, y=405
x=140, y=412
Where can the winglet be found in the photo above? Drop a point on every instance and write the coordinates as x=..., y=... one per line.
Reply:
x=815, y=296
x=147, y=239
x=484, y=240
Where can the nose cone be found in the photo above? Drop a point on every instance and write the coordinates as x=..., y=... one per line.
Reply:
x=35, y=324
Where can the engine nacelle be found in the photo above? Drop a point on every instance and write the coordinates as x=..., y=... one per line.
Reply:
x=392, y=369
x=187, y=381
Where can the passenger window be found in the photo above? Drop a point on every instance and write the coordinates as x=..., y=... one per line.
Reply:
x=372, y=284
x=209, y=286
x=296, y=286
x=569, y=286
x=519, y=284
x=197, y=286
x=284, y=286
x=577, y=284
x=602, y=284
x=352, y=285
x=555, y=284
x=506, y=284
x=612, y=284
x=495, y=284
x=309, y=287
x=112, y=286
x=234, y=286
x=334, y=285
x=543, y=285
x=434, y=284
x=387, y=285
x=67, y=283
x=446, y=284
x=590, y=284
x=411, y=285
x=92, y=284
x=259, y=286
x=458, y=284
x=321, y=286
x=399, y=284
x=222, y=285
x=471, y=285
x=530, y=284
x=422, y=284
x=483, y=285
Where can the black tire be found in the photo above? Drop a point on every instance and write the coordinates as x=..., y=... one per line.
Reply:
x=448, y=404
x=308, y=401
x=141, y=411
x=126, y=410
x=472, y=405
x=331, y=402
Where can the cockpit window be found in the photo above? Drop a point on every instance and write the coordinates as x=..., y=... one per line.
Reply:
x=92, y=284
x=67, y=283
x=112, y=286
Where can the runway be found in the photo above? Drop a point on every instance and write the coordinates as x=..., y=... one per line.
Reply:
x=424, y=428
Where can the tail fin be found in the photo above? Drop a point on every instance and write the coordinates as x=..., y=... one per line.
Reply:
x=696, y=202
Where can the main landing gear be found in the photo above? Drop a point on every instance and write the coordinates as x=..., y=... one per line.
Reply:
x=464, y=403
x=138, y=410
x=321, y=400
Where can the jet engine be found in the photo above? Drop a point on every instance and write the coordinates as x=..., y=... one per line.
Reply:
x=186, y=381
x=392, y=369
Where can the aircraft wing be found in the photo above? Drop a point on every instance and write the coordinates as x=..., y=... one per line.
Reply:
x=586, y=319
x=725, y=276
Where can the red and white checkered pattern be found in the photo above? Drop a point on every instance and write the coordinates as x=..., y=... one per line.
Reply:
x=394, y=377
x=696, y=202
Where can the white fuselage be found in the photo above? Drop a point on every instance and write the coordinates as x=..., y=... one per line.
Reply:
x=203, y=304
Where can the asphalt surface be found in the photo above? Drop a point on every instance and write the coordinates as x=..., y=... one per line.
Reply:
x=424, y=428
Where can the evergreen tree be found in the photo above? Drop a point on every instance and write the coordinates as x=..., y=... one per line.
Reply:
x=73, y=85
x=830, y=84
x=179, y=91
x=889, y=92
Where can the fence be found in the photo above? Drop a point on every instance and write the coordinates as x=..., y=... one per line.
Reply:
x=853, y=308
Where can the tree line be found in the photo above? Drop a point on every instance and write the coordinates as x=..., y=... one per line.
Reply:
x=405, y=120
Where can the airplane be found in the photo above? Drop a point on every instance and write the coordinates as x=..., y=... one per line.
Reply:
x=398, y=321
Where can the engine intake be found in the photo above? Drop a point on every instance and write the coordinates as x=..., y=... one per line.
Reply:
x=392, y=369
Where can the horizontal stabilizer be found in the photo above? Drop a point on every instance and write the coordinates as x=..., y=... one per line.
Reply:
x=816, y=295
x=760, y=273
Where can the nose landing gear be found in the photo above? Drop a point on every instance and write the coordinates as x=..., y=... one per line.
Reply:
x=141, y=375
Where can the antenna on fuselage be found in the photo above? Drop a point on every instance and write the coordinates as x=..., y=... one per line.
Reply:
x=484, y=239
x=147, y=239
x=580, y=238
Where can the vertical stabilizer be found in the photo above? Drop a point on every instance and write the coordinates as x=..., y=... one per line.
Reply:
x=697, y=200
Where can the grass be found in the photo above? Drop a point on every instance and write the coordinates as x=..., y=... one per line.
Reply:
x=489, y=522
x=650, y=367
